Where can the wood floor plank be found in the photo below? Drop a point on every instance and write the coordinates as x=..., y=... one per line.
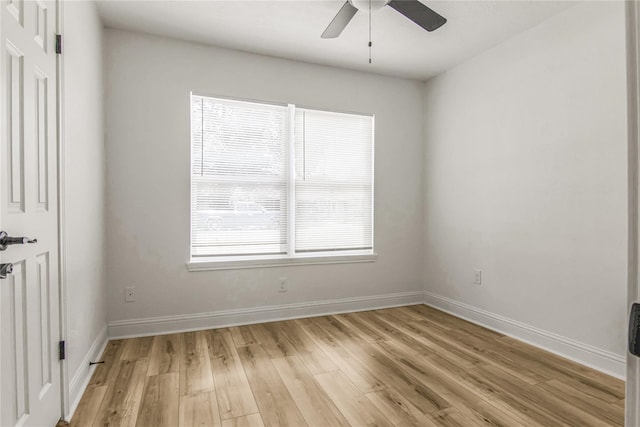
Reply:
x=277, y=407
x=442, y=343
x=332, y=324
x=316, y=407
x=314, y=359
x=529, y=399
x=592, y=388
x=521, y=348
x=391, y=374
x=453, y=385
x=88, y=407
x=195, y=366
x=429, y=368
x=272, y=339
x=490, y=351
x=469, y=394
x=253, y=420
x=468, y=347
x=199, y=409
x=484, y=412
x=397, y=330
x=137, y=348
x=122, y=400
x=361, y=328
x=452, y=417
x=242, y=336
x=589, y=380
x=165, y=355
x=354, y=405
x=397, y=409
x=582, y=401
x=391, y=332
x=160, y=401
x=500, y=396
x=454, y=323
x=362, y=378
x=406, y=313
x=105, y=372
x=437, y=373
x=233, y=392
x=525, y=359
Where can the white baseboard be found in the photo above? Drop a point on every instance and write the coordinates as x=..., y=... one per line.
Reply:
x=81, y=377
x=601, y=360
x=245, y=316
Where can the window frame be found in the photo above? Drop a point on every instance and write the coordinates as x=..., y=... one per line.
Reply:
x=226, y=262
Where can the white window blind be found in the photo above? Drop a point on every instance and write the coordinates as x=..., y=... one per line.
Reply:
x=334, y=199
x=238, y=177
x=243, y=180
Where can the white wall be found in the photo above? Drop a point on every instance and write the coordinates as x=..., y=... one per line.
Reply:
x=525, y=172
x=148, y=84
x=84, y=190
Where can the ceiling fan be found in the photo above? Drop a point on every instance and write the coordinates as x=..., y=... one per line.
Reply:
x=412, y=9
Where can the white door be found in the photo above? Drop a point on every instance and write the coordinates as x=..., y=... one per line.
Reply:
x=30, y=393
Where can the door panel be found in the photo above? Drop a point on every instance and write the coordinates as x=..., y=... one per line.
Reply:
x=30, y=392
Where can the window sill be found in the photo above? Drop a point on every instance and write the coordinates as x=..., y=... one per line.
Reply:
x=206, y=264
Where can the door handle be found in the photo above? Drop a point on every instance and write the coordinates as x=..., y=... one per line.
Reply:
x=6, y=240
x=634, y=330
x=5, y=269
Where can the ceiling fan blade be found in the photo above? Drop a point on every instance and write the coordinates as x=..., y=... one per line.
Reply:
x=419, y=13
x=340, y=21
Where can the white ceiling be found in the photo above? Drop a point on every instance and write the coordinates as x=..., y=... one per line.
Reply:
x=291, y=29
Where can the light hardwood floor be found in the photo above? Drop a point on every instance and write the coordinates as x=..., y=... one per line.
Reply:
x=395, y=367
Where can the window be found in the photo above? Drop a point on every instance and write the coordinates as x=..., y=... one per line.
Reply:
x=279, y=182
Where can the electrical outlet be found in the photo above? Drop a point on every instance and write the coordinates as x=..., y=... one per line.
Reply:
x=477, y=279
x=130, y=294
x=282, y=284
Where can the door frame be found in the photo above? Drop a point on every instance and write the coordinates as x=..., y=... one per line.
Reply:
x=65, y=404
x=1, y=184
x=632, y=394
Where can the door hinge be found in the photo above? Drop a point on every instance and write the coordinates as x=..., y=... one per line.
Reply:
x=61, y=350
x=58, y=43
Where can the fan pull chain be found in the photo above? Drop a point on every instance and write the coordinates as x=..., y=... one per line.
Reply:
x=370, y=43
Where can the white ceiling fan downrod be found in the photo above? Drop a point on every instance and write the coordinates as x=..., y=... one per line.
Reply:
x=370, y=42
x=369, y=6
x=373, y=5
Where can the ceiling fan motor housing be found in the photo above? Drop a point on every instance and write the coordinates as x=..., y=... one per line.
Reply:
x=414, y=10
x=363, y=5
